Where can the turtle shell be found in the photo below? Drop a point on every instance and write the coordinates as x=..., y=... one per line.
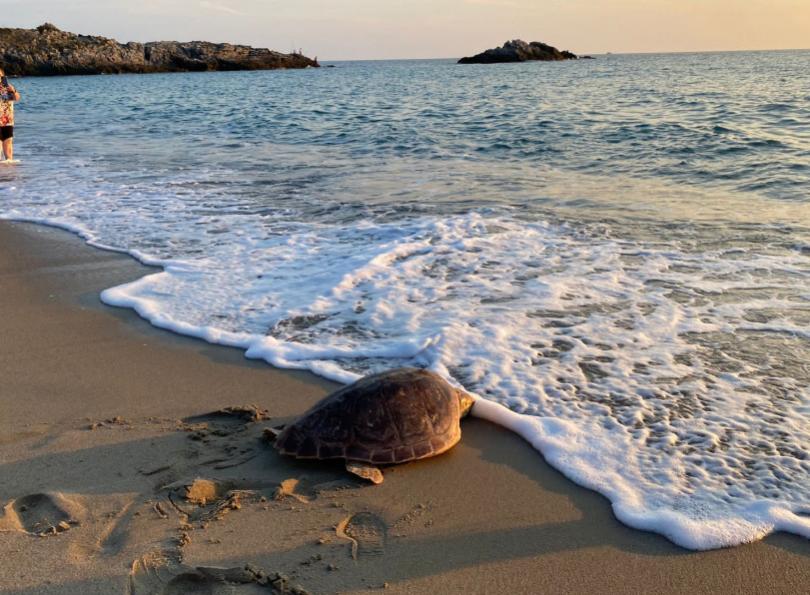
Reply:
x=393, y=417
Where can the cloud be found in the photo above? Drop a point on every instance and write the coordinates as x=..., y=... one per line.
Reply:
x=221, y=8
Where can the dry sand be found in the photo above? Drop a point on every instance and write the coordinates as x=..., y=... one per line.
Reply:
x=117, y=475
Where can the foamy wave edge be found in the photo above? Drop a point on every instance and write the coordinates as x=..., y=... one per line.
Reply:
x=564, y=445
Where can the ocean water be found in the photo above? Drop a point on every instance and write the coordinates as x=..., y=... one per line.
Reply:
x=613, y=255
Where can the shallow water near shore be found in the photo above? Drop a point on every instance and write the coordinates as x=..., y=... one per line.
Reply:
x=616, y=251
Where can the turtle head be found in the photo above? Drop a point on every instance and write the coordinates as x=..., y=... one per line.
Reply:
x=465, y=402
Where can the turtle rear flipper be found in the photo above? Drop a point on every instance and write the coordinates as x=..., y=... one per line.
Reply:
x=369, y=472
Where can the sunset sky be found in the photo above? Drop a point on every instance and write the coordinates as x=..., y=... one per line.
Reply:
x=369, y=29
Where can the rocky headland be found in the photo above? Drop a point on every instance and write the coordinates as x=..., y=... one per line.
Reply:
x=47, y=50
x=518, y=50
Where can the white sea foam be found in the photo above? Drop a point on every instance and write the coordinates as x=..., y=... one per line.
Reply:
x=607, y=356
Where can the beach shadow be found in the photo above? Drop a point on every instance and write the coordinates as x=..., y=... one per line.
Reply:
x=596, y=530
x=501, y=447
x=601, y=527
x=145, y=464
x=96, y=586
x=790, y=543
x=140, y=465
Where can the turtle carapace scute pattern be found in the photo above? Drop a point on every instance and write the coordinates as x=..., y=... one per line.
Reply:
x=392, y=417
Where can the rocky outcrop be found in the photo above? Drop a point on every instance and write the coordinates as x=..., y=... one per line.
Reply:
x=519, y=51
x=48, y=51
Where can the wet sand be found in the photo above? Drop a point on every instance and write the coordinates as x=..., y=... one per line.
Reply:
x=106, y=423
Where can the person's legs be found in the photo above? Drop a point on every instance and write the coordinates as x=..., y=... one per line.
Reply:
x=7, y=136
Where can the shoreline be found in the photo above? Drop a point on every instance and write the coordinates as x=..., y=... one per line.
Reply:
x=549, y=437
x=490, y=515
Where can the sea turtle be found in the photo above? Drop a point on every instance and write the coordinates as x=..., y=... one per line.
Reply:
x=393, y=417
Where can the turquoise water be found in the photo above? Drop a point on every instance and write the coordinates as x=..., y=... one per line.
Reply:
x=616, y=251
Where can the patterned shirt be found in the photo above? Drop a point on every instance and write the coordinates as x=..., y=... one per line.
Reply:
x=6, y=107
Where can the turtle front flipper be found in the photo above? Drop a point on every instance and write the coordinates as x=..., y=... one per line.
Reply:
x=369, y=472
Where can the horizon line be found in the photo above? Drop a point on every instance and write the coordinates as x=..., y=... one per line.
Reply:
x=607, y=53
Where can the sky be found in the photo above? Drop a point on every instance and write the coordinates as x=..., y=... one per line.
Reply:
x=383, y=29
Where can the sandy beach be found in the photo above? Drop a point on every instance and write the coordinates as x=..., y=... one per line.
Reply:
x=123, y=471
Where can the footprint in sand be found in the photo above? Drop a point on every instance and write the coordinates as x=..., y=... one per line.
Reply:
x=367, y=533
x=207, y=499
x=156, y=575
x=115, y=536
x=42, y=514
x=291, y=488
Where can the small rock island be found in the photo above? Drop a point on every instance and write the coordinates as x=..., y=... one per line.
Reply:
x=47, y=50
x=518, y=50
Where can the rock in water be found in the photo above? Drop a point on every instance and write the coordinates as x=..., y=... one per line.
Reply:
x=48, y=51
x=520, y=51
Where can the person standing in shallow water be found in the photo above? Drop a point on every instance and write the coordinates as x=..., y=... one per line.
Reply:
x=8, y=95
